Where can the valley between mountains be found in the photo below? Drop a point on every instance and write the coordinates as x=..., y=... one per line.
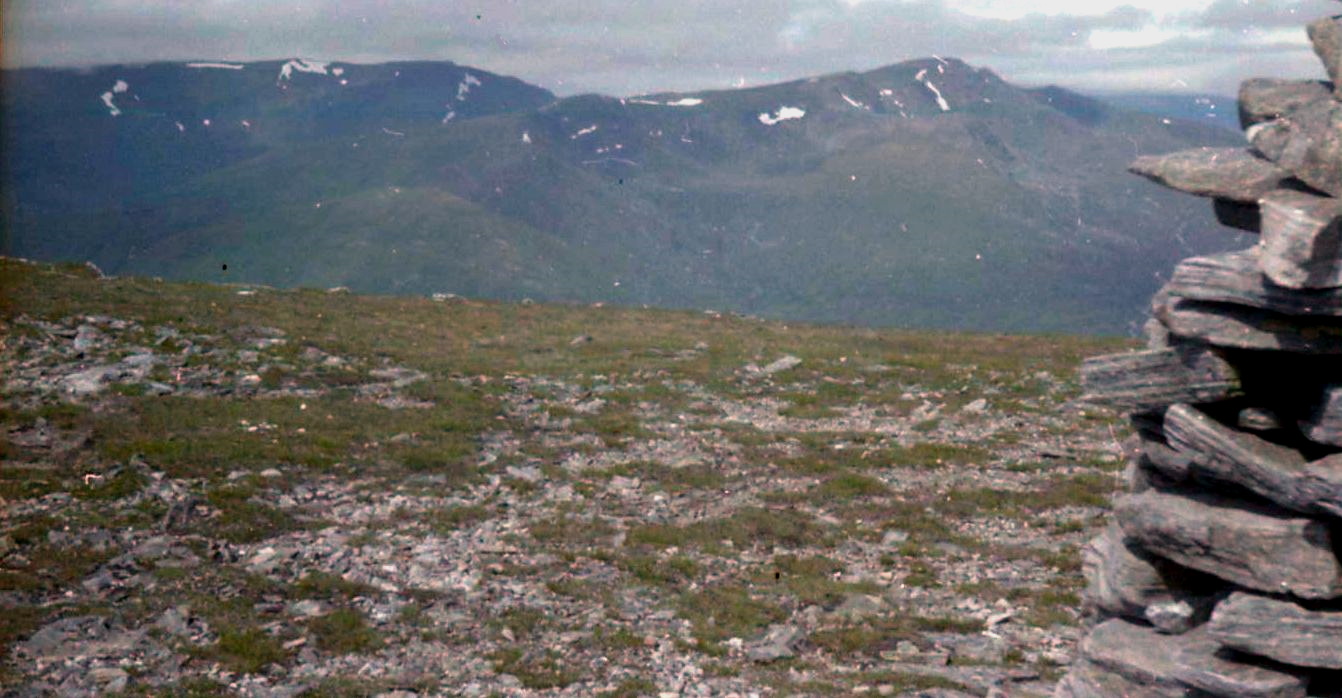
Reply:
x=219, y=490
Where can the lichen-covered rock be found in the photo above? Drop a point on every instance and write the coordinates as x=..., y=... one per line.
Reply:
x=1136, y=653
x=1086, y=680
x=1228, y=325
x=1277, y=473
x=1200, y=663
x=1144, y=380
x=1252, y=547
x=1122, y=582
x=1279, y=630
x=1238, y=278
x=1326, y=36
x=1225, y=173
x=1270, y=139
x=1313, y=146
x=1302, y=240
x=1265, y=99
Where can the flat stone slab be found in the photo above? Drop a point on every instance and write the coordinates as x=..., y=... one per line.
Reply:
x=1326, y=36
x=1149, y=380
x=1251, y=547
x=1240, y=327
x=1302, y=240
x=1278, y=630
x=1265, y=99
x=1237, y=278
x=1119, y=658
x=979, y=679
x=1086, y=680
x=1324, y=423
x=1121, y=582
x=1200, y=662
x=1164, y=460
x=1134, y=652
x=1225, y=173
x=1277, y=473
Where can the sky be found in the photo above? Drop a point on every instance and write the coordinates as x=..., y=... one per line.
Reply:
x=629, y=47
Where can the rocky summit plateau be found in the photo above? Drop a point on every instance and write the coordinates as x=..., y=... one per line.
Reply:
x=239, y=490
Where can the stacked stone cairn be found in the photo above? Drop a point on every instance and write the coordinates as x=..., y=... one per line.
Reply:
x=1221, y=573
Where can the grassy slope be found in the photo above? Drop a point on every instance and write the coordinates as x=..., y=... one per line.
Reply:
x=477, y=356
x=447, y=338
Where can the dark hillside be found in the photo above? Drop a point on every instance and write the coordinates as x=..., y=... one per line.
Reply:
x=928, y=193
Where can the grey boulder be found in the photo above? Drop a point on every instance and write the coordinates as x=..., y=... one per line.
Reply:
x=1326, y=36
x=1146, y=380
x=1277, y=473
x=1302, y=240
x=1265, y=99
x=1251, y=547
x=1225, y=173
x=1279, y=630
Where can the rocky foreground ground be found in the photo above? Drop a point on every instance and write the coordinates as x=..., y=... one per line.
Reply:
x=219, y=490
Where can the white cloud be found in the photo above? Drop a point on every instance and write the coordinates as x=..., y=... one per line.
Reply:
x=1150, y=35
x=627, y=47
x=1000, y=9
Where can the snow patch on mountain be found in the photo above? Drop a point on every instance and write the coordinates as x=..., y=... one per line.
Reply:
x=220, y=66
x=302, y=66
x=853, y=102
x=783, y=114
x=464, y=87
x=111, y=106
x=941, y=101
x=682, y=102
x=108, y=97
x=584, y=131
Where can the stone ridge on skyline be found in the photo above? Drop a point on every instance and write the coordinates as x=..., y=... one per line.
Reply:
x=1222, y=575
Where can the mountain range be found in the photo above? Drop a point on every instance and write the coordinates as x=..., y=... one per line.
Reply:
x=928, y=193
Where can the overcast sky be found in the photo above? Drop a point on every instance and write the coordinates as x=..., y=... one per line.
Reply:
x=626, y=47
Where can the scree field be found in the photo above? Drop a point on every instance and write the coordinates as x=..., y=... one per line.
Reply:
x=222, y=489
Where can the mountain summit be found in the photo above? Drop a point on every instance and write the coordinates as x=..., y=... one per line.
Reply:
x=928, y=193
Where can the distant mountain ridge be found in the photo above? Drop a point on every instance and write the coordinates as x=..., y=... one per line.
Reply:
x=1217, y=110
x=926, y=193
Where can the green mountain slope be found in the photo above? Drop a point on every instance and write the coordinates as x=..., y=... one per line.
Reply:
x=927, y=193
